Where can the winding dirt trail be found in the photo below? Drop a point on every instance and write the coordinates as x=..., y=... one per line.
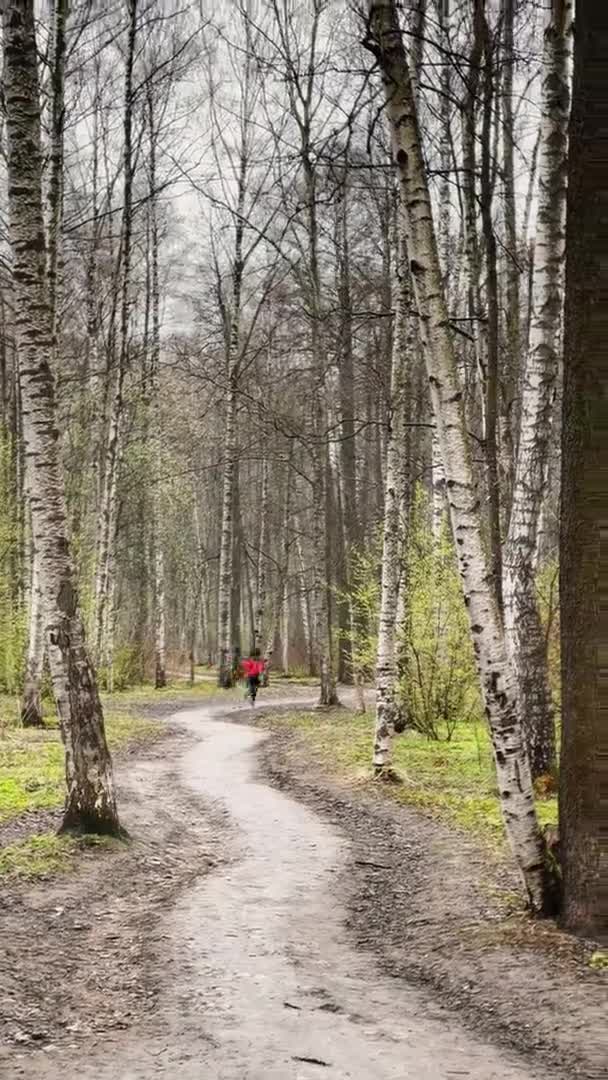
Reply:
x=262, y=982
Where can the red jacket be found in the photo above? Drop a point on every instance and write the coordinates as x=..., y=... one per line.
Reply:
x=252, y=667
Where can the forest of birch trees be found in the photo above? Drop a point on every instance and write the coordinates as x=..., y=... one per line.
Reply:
x=300, y=316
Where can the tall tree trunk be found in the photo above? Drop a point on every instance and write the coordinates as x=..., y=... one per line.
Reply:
x=107, y=517
x=386, y=668
x=260, y=591
x=160, y=673
x=90, y=804
x=305, y=608
x=285, y=630
x=513, y=769
x=224, y=603
x=437, y=472
x=492, y=337
x=472, y=245
x=511, y=367
x=31, y=705
x=525, y=636
x=238, y=599
x=347, y=505
x=31, y=710
x=584, y=630
x=55, y=194
x=322, y=616
x=280, y=620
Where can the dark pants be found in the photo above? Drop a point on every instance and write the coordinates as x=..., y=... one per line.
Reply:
x=253, y=681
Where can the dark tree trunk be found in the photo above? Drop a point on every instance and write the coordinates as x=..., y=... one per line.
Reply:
x=584, y=569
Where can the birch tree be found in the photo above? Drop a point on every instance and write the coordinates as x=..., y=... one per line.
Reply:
x=90, y=804
x=391, y=583
x=31, y=709
x=525, y=635
x=512, y=764
x=302, y=62
x=108, y=508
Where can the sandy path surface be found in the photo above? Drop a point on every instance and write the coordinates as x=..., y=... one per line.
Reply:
x=263, y=982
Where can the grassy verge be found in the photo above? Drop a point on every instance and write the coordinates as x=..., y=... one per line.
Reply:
x=47, y=853
x=32, y=768
x=454, y=781
x=31, y=761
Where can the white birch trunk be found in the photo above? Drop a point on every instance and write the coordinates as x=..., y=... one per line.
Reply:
x=523, y=626
x=55, y=194
x=31, y=711
x=160, y=666
x=321, y=621
x=31, y=706
x=305, y=609
x=260, y=591
x=285, y=630
x=438, y=488
x=512, y=764
x=227, y=543
x=224, y=629
x=472, y=247
x=280, y=619
x=386, y=670
x=107, y=517
x=90, y=804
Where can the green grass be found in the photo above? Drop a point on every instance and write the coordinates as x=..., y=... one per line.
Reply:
x=32, y=766
x=31, y=761
x=37, y=856
x=454, y=780
x=178, y=690
x=47, y=853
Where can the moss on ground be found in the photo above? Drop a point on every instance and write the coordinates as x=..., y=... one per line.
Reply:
x=453, y=780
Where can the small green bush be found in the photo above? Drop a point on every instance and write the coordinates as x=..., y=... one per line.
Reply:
x=438, y=687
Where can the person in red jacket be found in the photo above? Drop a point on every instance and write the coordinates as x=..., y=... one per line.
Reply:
x=253, y=669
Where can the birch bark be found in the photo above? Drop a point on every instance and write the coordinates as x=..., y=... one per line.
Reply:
x=160, y=673
x=90, y=804
x=280, y=619
x=260, y=591
x=486, y=187
x=31, y=706
x=513, y=769
x=511, y=367
x=224, y=605
x=386, y=668
x=233, y=342
x=523, y=626
x=31, y=710
x=107, y=516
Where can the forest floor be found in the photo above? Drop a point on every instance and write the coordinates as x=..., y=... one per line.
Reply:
x=270, y=920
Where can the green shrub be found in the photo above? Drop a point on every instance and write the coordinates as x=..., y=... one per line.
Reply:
x=438, y=686
x=127, y=669
x=547, y=584
x=12, y=613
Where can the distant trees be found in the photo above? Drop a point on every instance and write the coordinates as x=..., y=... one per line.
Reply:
x=278, y=357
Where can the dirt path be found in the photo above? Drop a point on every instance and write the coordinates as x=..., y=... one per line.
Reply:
x=261, y=980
